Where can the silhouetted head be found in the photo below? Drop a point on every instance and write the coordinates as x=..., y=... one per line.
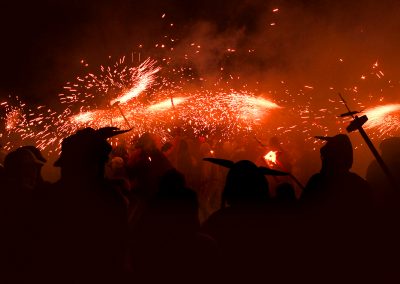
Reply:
x=172, y=181
x=35, y=151
x=390, y=146
x=86, y=151
x=146, y=142
x=245, y=182
x=337, y=153
x=22, y=167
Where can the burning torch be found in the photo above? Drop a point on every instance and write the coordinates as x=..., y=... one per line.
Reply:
x=271, y=159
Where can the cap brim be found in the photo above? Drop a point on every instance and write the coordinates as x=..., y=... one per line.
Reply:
x=108, y=132
x=221, y=162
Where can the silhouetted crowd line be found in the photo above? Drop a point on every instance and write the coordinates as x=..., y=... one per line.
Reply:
x=152, y=214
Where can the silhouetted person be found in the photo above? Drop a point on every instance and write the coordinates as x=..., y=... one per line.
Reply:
x=250, y=236
x=390, y=149
x=186, y=161
x=337, y=208
x=387, y=200
x=164, y=246
x=40, y=183
x=91, y=224
x=16, y=209
x=335, y=185
x=145, y=167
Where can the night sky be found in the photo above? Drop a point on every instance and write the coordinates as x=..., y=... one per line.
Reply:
x=44, y=41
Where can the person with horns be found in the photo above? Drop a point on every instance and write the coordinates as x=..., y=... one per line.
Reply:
x=254, y=239
x=87, y=241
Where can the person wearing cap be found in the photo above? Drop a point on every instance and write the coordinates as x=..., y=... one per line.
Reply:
x=22, y=168
x=41, y=183
x=91, y=214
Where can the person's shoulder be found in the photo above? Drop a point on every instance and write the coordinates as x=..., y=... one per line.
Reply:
x=188, y=193
x=314, y=180
x=357, y=177
x=357, y=181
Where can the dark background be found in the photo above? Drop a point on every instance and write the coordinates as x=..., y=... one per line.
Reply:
x=43, y=42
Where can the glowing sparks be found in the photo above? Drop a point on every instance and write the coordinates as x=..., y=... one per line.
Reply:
x=83, y=117
x=145, y=76
x=14, y=118
x=166, y=104
x=384, y=118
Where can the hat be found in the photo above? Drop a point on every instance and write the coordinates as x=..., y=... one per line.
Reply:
x=87, y=146
x=19, y=158
x=338, y=150
x=390, y=145
x=230, y=164
x=245, y=181
x=35, y=151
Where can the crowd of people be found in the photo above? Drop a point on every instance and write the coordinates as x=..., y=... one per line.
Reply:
x=185, y=212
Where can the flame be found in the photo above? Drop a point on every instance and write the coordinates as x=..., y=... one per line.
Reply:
x=271, y=158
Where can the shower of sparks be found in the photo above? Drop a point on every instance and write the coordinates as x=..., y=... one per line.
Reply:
x=157, y=99
x=83, y=117
x=384, y=118
x=143, y=77
x=99, y=100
